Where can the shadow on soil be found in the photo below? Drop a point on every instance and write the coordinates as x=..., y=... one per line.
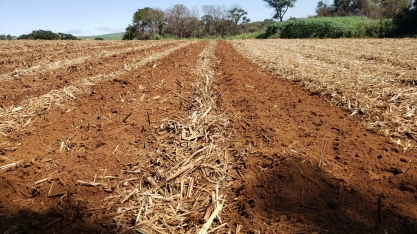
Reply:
x=55, y=217
x=290, y=195
x=51, y=221
x=281, y=190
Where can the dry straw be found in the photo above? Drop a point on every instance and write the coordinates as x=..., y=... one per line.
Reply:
x=18, y=117
x=182, y=189
x=80, y=58
x=372, y=78
x=24, y=54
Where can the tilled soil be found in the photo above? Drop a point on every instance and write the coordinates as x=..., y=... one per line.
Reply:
x=299, y=164
x=34, y=53
x=309, y=167
x=16, y=90
x=98, y=139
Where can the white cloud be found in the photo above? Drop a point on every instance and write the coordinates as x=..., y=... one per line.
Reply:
x=110, y=30
x=75, y=31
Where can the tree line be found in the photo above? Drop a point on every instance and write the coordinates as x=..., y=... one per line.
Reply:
x=375, y=9
x=179, y=21
x=6, y=37
x=402, y=12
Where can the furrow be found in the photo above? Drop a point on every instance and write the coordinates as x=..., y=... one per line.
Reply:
x=21, y=73
x=19, y=89
x=383, y=105
x=14, y=117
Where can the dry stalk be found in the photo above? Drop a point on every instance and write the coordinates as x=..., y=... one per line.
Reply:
x=48, y=66
x=11, y=165
x=173, y=195
x=12, y=118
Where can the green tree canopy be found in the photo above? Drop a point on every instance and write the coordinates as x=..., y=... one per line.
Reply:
x=371, y=8
x=47, y=35
x=6, y=37
x=239, y=15
x=146, y=23
x=322, y=9
x=280, y=6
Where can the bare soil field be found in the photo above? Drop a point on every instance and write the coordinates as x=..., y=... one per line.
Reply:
x=268, y=136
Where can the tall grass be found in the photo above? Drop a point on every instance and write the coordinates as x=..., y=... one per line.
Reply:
x=252, y=35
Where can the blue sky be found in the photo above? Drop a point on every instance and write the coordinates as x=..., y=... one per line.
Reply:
x=95, y=17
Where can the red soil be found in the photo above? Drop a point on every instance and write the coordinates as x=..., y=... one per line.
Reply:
x=16, y=90
x=285, y=134
x=300, y=165
x=41, y=52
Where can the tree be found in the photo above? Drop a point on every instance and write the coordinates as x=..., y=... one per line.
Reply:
x=342, y=7
x=6, y=37
x=214, y=20
x=146, y=23
x=64, y=36
x=208, y=25
x=406, y=21
x=181, y=21
x=280, y=6
x=392, y=7
x=155, y=21
x=323, y=9
x=371, y=8
x=130, y=33
x=361, y=8
x=237, y=14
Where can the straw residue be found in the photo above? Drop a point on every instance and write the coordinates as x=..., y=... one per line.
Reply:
x=183, y=189
x=14, y=117
x=376, y=83
x=46, y=67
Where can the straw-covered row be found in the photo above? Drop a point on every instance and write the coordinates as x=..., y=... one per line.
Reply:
x=182, y=191
x=18, y=54
x=26, y=46
x=77, y=58
x=17, y=117
x=384, y=101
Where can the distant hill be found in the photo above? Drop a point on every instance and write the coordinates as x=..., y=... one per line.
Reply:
x=113, y=36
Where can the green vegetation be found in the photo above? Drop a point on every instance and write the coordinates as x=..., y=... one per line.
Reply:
x=375, y=9
x=46, y=35
x=113, y=36
x=352, y=19
x=402, y=12
x=406, y=21
x=252, y=35
x=6, y=37
x=331, y=27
